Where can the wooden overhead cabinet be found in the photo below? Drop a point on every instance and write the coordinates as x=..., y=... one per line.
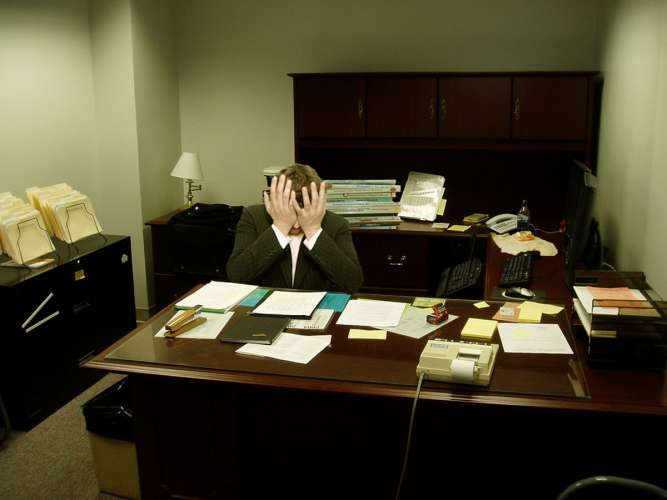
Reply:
x=330, y=107
x=549, y=107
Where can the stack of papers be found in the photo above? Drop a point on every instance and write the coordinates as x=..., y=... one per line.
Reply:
x=68, y=214
x=421, y=197
x=23, y=233
x=290, y=347
x=413, y=323
x=319, y=321
x=586, y=295
x=294, y=304
x=216, y=296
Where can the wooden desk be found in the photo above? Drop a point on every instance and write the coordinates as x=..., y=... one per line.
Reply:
x=213, y=424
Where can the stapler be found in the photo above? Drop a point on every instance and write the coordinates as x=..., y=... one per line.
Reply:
x=184, y=322
x=439, y=314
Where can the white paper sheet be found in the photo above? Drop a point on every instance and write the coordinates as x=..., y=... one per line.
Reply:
x=543, y=338
x=214, y=324
x=413, y=323
x=290, y=303
x=375, y=313
x=290, y=347
x=318, y=321
x=216, y=296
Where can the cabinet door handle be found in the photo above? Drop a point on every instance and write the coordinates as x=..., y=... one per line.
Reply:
x=517, y=109
x=443, y=109
x=431, y=108
x=360, y=109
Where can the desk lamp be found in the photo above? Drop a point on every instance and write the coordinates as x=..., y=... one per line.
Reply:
x=188, y=168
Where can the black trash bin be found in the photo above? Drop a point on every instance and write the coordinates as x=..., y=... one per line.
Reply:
x=110, y=426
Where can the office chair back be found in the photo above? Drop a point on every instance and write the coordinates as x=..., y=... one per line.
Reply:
x=612, y=488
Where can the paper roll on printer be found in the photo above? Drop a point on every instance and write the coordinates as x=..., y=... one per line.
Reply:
x=458, y=362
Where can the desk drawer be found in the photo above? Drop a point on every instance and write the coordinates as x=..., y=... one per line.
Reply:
x=393, y=261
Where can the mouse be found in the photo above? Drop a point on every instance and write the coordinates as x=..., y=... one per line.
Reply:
x=519, y=292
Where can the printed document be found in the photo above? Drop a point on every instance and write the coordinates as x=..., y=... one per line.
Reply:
x=413, y=323
x=296, y=304
x=290, y=347
x=319, y=321
x=375, y=313
x=541, y=338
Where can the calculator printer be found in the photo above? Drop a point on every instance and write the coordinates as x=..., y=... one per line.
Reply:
x=458, y=362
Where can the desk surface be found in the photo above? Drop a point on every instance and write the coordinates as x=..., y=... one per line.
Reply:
x=387, y=368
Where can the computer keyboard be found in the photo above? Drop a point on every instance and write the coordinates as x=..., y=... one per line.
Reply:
x=517, y=270
x=458, y=277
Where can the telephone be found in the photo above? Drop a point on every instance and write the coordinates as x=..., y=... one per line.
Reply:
x=502, y=223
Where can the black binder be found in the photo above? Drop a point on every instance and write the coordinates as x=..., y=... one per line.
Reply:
x=254, y=329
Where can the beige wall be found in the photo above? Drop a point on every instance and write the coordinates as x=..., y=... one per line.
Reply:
x=47, y=111
x=633, y=156
x=234, y=56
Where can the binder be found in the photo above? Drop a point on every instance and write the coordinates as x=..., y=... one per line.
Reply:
x=254, y=329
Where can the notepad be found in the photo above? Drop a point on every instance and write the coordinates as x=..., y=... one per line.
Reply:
x=459, y=228
x=479, y=329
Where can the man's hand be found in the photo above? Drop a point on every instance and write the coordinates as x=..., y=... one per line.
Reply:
x=280, y=204
x=314, y=206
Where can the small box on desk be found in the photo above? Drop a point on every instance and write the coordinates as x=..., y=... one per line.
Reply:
x=624, y=319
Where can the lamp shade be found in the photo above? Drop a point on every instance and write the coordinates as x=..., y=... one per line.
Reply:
x=188, y=167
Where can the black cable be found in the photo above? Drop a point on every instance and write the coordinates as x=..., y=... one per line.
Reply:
x=407, y=446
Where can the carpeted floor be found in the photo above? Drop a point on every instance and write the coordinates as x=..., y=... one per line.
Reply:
x=53, y=461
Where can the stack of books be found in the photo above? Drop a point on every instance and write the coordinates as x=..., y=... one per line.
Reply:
x=23, y=233
x=367, y=203
x=626, y=326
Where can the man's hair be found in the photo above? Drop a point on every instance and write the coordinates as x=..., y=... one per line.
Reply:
x=301, y=175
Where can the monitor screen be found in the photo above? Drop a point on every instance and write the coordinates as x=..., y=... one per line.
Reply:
x=578, y=216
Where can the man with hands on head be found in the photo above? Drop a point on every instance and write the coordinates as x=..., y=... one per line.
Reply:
x=292, y=241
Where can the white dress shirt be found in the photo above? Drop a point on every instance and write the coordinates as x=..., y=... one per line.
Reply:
x=294, y=243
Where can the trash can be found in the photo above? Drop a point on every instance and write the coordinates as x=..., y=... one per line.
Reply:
x=110, y=426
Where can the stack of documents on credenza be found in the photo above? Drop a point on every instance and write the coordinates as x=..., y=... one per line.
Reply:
x=625, y=326
x=23, y=233
x=68, y=214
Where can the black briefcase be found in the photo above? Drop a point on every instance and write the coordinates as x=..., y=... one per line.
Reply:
x=201, y=239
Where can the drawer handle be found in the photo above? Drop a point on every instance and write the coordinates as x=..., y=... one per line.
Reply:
x=400, y=261
x=517, y=109
x=42, y=321
x=37, y=309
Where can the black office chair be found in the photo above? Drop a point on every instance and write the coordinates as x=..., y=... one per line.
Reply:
x=612, y=487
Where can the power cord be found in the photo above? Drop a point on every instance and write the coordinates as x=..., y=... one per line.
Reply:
x=407, y=446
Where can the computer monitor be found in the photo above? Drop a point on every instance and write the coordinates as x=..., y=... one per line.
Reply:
x=578, y=218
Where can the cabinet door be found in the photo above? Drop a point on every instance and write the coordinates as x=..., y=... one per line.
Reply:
x=402, y=107
x=330, y=107
x=551, y=108
x=475, y=107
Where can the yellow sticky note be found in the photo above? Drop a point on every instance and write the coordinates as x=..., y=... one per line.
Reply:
x=544, y=308
x=530, y=312
x=440, y=225
x=356, y=333
x=441, y=207
x=427, y=301
x=459, y=227
x=481, y=329
x=481, y=305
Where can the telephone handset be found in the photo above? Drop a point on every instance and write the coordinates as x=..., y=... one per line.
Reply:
x=502, y=223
